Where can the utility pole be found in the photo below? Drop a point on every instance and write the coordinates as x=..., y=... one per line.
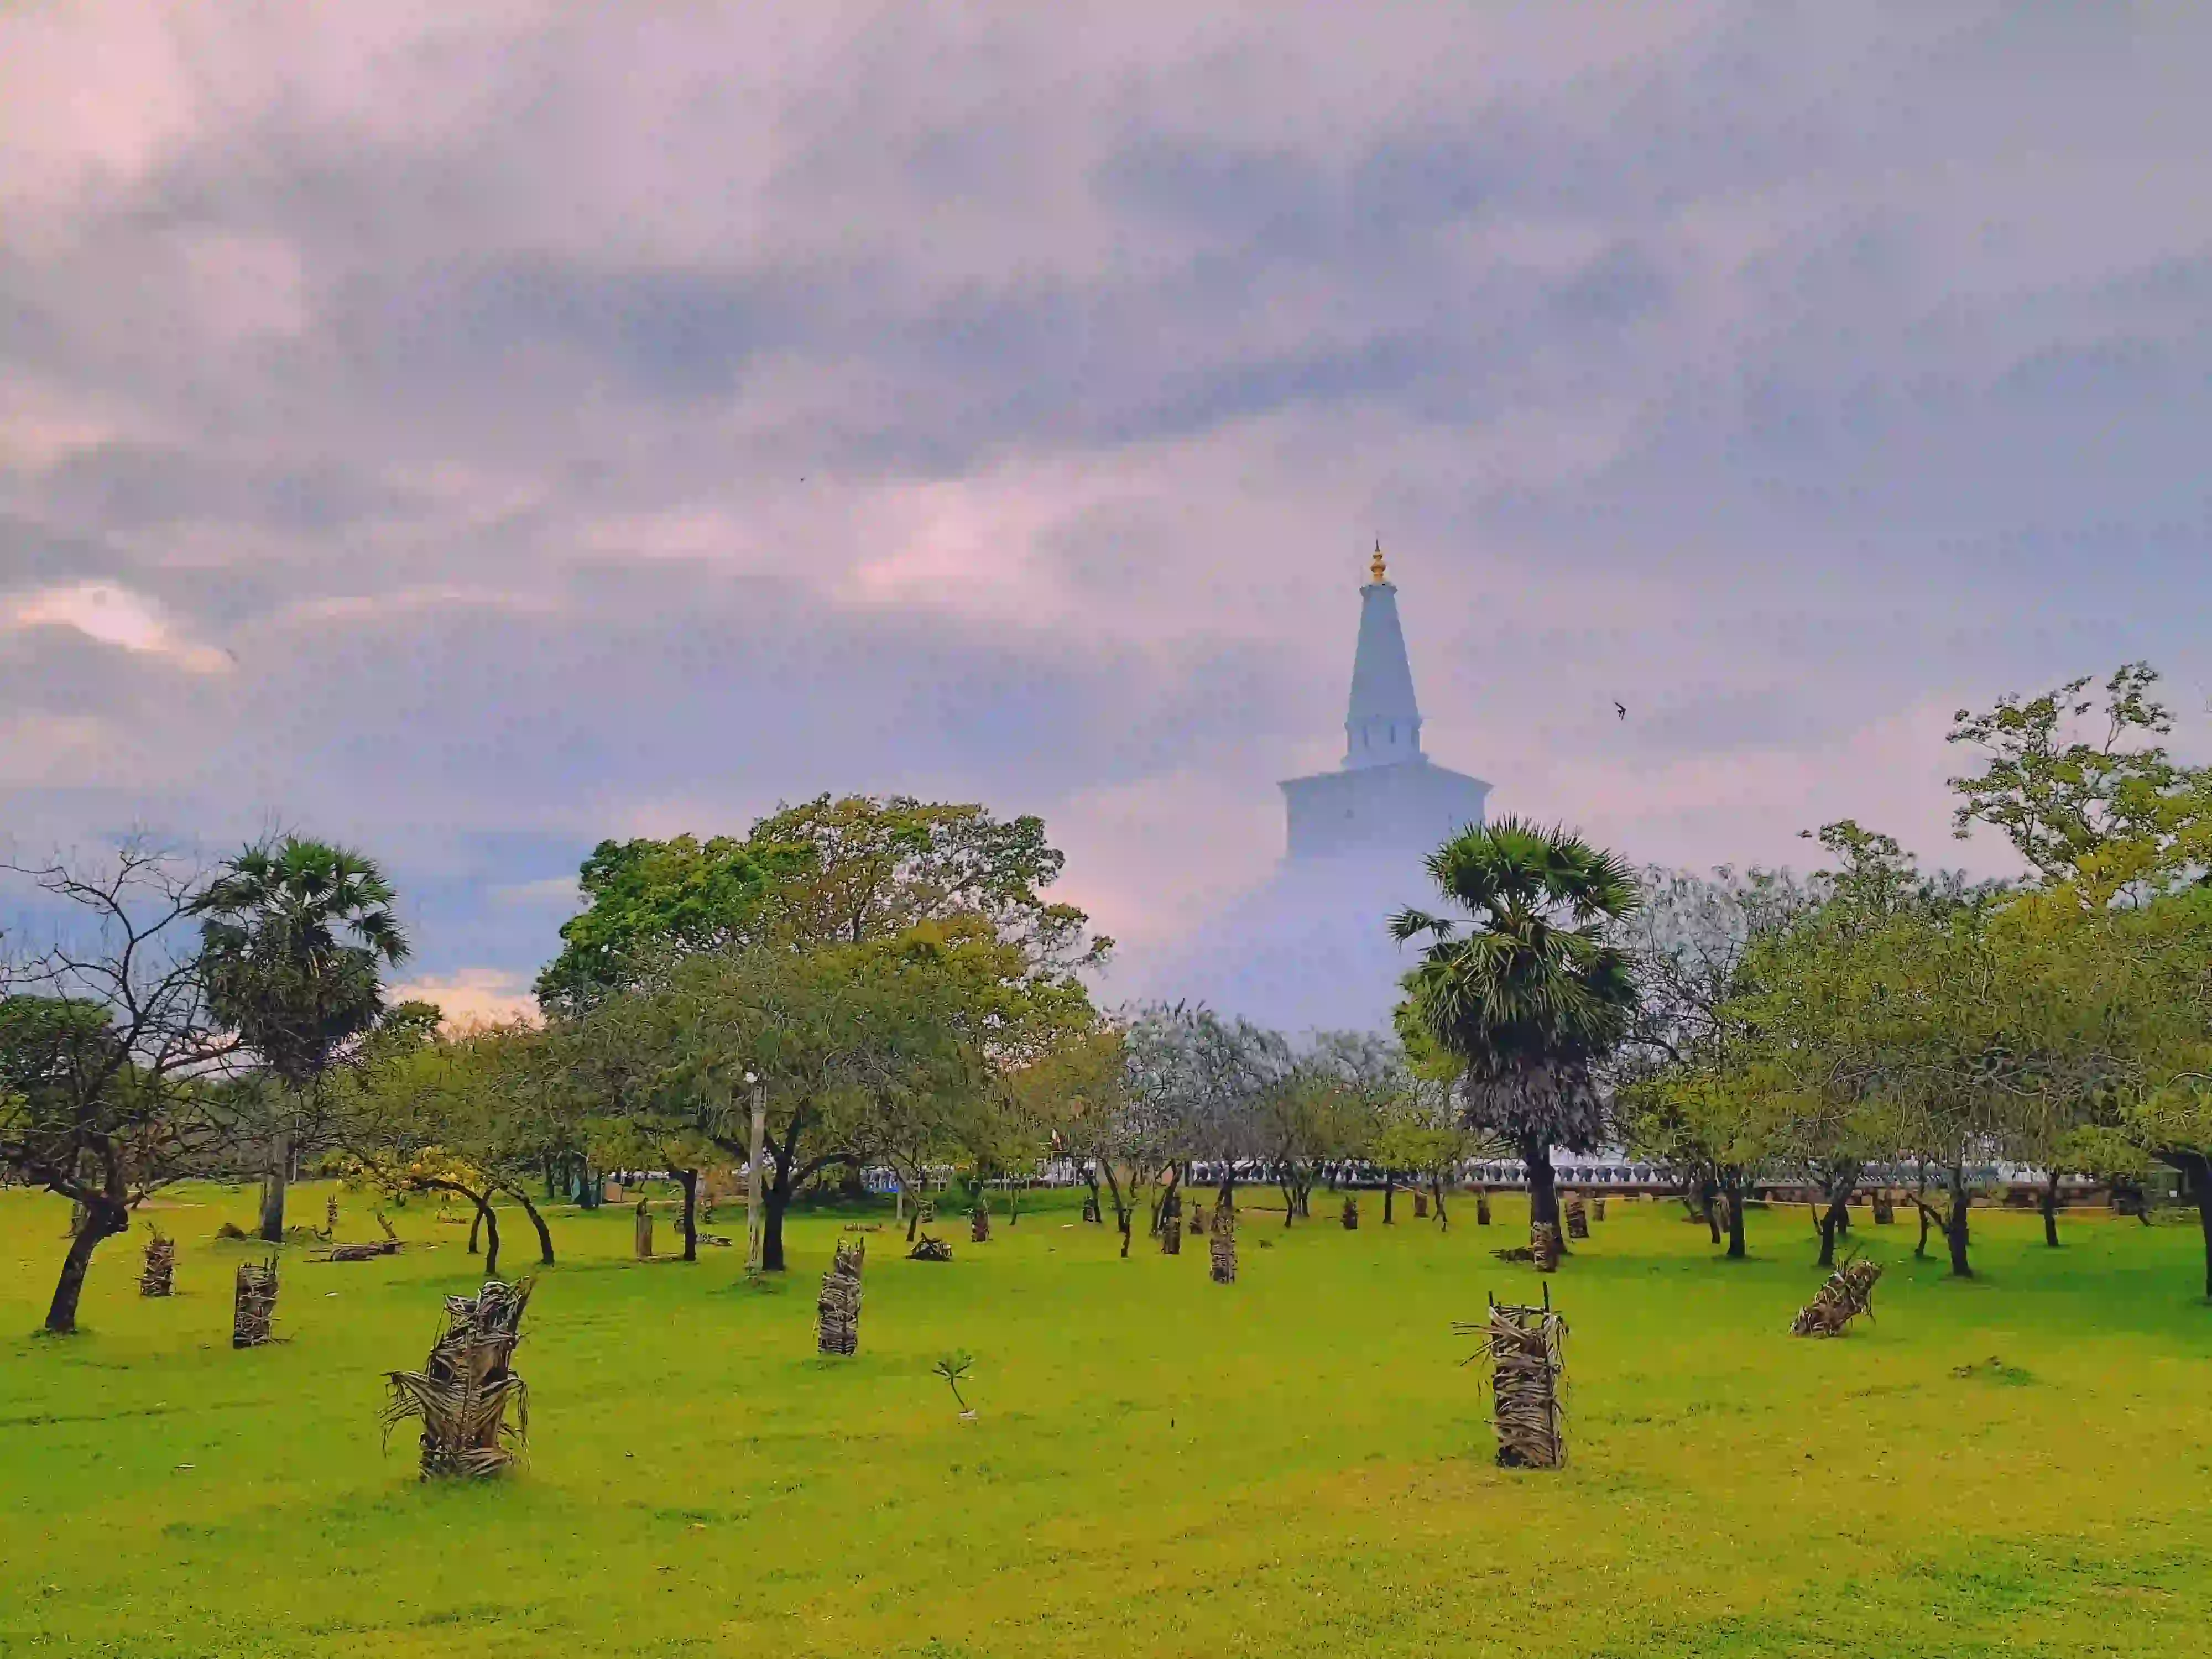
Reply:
x=755, y=1232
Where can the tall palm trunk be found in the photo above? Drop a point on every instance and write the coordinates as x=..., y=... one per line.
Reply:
x=1543, y=1185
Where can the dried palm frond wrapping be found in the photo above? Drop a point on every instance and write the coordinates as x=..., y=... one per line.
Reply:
x=978, y=1225
x=159, y=1278
x=1884, y=1211
x=255, y=1303
x=1544, y=1246
x=363, y=1252
x=644, y=1232
x=1222, y=1263
x=930, y=1249
x=1848, y=1293
x=1420, y=1207
x=1524, y=1348
x=837, y=1314
x=462, y=1394
x=1578, y=1218
x=1350, y=1214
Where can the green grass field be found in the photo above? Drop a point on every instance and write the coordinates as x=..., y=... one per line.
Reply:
x=1159, y=1466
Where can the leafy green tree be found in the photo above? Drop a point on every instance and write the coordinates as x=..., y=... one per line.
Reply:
x=1198, y=1084
x=1531, y=992
x=870, y=868
x=2113, y=805
x=1676, y=1099
x=2120, y=1003
x=295, y=936
x=830, y=1033
x=649, y=899
x=1420, y=1133
x=827, y=871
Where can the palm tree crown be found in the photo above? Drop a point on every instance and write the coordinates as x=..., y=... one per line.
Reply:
x=1534, y=981
x=295, y=934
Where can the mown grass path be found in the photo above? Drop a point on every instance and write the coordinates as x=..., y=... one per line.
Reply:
x=1159, y=1466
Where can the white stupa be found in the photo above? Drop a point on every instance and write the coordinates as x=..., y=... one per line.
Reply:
x=1310, y=950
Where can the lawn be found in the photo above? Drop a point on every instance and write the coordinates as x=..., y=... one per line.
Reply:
x=1158, y=1465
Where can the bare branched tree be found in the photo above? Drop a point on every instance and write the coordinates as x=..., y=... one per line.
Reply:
x=111, y=1065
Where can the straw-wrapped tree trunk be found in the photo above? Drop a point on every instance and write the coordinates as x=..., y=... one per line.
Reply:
x=1544, y=1246
x=837, y=1313
x=1222, y=1246
x=159, y=1277
x=1848, y=1293
x=1523, y=1347
x=462, y=1395
x=254, y=1306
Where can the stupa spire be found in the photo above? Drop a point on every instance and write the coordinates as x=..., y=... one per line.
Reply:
x=1383, y=725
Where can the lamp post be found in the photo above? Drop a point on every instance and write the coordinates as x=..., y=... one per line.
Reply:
x=755, y=1232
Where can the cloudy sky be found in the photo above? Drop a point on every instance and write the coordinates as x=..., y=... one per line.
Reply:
x=470, y=431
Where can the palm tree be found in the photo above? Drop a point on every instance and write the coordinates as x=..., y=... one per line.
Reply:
x=295, y=936
x=1533, y=994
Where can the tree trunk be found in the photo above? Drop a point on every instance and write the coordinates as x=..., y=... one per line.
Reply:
x=2197, y=1170
x=774, y=1200
x=1543, y=1188
x=1543, y=1191
x=2051, y=1211
x=1832, y=1222
x=272, y=1189
x=689, y=1180
x=1706, y=1192
x=489, y=1216
x=101, y=1220
x=1956, y=1232
x=544, y=1234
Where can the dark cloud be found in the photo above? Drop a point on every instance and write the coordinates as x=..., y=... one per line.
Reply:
x=1789, y=375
